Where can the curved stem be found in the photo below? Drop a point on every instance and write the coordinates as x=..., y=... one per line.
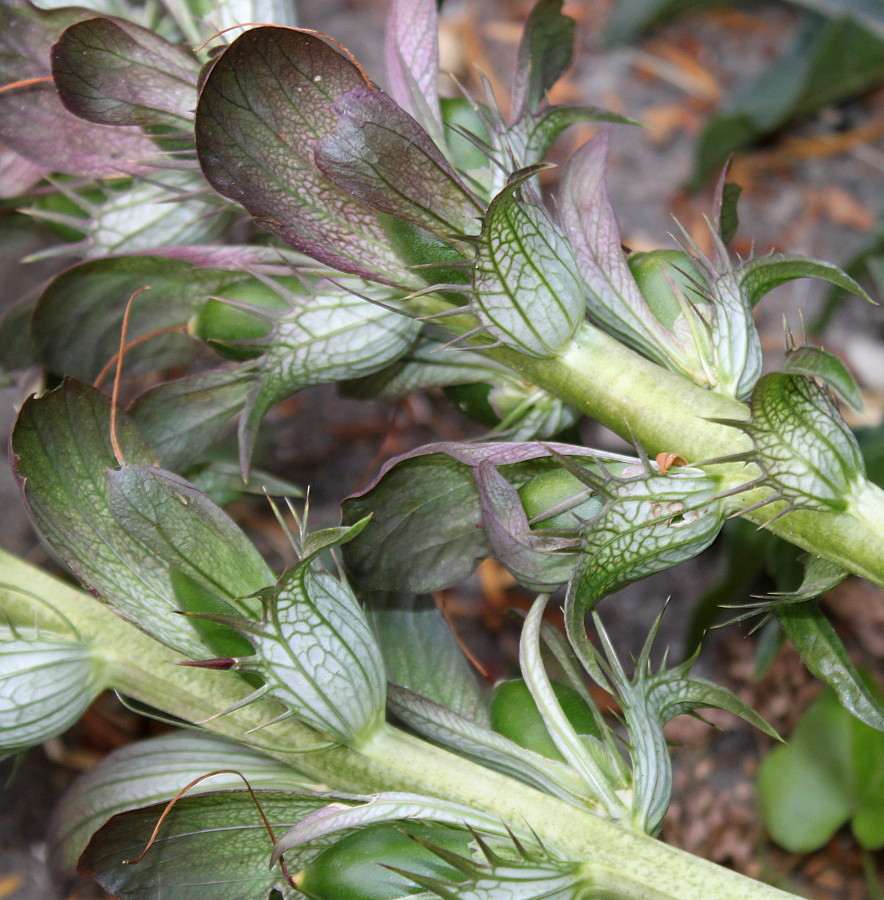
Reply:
x=636, y=865
x=664, y=412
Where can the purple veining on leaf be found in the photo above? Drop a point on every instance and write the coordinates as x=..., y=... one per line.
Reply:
x=587, y=217
x=35, y=124
x=266, y=101
x=378, y=153
x=411, y=56
x=114, y=72
x=530, y=556
x=498, y=453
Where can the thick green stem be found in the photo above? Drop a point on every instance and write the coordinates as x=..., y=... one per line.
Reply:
x=636, y=866
x=664, y=412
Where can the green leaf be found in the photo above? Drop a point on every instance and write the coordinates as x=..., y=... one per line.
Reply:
x=423, y=535
x=665, y=698
x=478, y=742
x=589, y=757
x=649, y=700
x=382, y=156
x=265, y=102
x=759, y=276
x=464, y=120
x=76, y=324
x=46, y=683
x=116, y=73
x=829, y=61
x=16, y=348
x=189, y=859
x=871, y=443
x=828, y=775
x=327, y=337
x=171, y=209
x=809, y=455
x=183, y=527
x=527, y=293
x=314, y=543
x=728, y=218
x=181, y=418
x=866, y=265
x=823, y=653
x=674, y=693
x=539, y=132
x=820, y=576
x=631, y=19
x=192, y=597
x=390, y=806
x=62, y=450
x=152, y=771
x=815, y=362
x=221, y=478
x=867, y=12
x=544, y=54
x=421, y=653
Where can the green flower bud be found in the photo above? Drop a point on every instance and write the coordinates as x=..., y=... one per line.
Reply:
x=552, y=491
x=218, y=323
x=355, y=867
x=515, y=715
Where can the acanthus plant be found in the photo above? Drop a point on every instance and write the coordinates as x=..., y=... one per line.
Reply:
x=336, y=690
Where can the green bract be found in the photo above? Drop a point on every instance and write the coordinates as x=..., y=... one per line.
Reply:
x=46, y=683
x=315, y=650
x=792, y=411
x=669, y=280
x=526, y=291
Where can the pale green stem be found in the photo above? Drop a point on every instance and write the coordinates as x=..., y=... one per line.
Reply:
x=638, y=867
x=664, y=412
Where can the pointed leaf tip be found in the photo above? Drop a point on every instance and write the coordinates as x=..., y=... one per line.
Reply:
x=544, y=54
x=411, y=54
